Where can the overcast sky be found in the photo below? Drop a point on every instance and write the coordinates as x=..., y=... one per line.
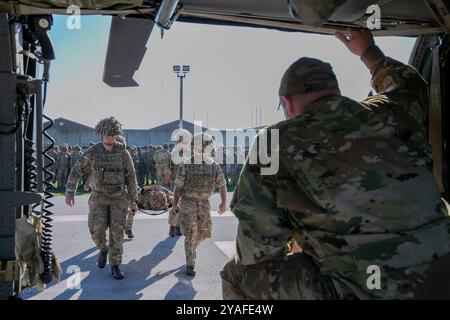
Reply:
x=233, y=70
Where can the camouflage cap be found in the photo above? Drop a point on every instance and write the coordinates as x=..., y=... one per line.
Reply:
x=108, y=127
x=307, y=75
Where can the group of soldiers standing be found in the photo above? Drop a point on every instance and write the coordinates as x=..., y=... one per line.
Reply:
x=65, y=158
x=152, y=163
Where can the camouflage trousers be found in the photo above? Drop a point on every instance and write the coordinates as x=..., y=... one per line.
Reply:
x=106, y=213
x=195, y=225
x=140, y=178
x=151, y=174
x=174, y=219
x=160, y=171
x=129, y=222
x=284, y=277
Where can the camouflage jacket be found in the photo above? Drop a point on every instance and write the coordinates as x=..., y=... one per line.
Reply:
x=162, y=158
x=74, y=157
x=198, y=181
x=62, y=162
x=148, y=157
x=112, y=173
x=354, y=187
x=136, y=160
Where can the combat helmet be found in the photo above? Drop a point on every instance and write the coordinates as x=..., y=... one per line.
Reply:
x=165, y=146
x=108, y=127
x=202, y=140
x=77, y=147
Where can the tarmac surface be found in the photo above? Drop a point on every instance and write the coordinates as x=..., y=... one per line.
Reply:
x=153, y=262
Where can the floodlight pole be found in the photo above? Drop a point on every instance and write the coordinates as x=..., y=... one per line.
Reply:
x=181, y=74
x=180, y=125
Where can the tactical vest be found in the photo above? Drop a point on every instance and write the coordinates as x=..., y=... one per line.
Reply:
x=108, y=175
x=199, y=180
x=162, y=158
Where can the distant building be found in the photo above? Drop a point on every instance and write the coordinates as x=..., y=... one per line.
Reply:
x=72, y=133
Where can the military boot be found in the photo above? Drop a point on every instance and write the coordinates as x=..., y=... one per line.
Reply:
x=102, y=257
x=190, y=271
x=172, y=231
x=117, y=273
x=129, y=234
x=178, y=231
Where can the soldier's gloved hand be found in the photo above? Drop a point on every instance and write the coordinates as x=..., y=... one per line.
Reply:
x=358, y=40
x=70, y=200
x=222, y=208
x=133, y=207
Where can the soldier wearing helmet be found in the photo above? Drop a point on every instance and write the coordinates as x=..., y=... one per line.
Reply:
x=114, y=191
x=196, y=180
x=62, y=167
x=151, y=165
x=162, y=163
x=75, y=156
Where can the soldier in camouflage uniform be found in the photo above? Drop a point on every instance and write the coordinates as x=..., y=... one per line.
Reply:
x=179, y=153
x=196, y=181
x=355, y=189
x=151, y=168
x=145, y=156
x=140, y=171
x=75, y=156
x=137, y=164
x=114, y=191
x=162, y=162
x=62, y=167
